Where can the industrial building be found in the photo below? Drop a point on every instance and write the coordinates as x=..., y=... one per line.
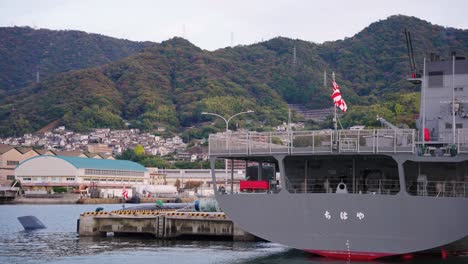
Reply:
x=11, y=156
x=46, y=172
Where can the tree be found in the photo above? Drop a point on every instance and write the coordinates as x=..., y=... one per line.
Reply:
x=177, y=184
x=128, y=155
x=139, y=150
x=192, y=184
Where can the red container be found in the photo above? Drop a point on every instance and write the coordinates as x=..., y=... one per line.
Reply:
x=253, y=185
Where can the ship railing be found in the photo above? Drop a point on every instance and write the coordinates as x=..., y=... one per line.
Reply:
x=318, y=141
x=462, y=140
x=395, y=140
x=269, y=143
x=361, y=186
x=438, y=188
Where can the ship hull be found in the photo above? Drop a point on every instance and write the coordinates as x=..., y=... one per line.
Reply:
x=352, y=226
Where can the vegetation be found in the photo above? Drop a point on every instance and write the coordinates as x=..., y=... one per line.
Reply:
x=58, y=189
x=166, y=162
x=139, y=150
x=177, y=184
x=192, y=184
x=25, y=51
x=170, y=84
x=145, y=160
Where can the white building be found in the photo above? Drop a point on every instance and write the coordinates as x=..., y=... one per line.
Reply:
x=46, y=172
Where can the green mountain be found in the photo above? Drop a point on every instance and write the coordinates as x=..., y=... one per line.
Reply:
x=375, y=61
x=24, y=52
x=171, y=83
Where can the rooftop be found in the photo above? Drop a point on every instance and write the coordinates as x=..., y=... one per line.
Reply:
x=102, y=164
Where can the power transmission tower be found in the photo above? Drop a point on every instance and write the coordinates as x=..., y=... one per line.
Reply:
x=325, y=78
x=294, y=55
x=37, y=75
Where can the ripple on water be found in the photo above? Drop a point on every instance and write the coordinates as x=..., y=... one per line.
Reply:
x=47, y=247
x=59, y=243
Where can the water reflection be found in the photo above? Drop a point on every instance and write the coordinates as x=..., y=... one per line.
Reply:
x=59, y=247
x=45, y=247
x=301, y=257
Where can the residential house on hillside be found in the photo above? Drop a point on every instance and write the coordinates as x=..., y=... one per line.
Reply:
x=183, y=155
x=99, y=148
x=101, y=141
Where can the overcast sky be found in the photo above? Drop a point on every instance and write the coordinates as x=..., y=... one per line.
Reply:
x=210, y=24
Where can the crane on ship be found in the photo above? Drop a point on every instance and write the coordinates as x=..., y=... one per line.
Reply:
x=386, y=123
x=415, y=77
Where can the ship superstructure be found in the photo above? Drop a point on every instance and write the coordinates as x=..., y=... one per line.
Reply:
x=365, y=193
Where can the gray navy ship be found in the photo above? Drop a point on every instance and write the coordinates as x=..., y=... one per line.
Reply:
x=364, y=193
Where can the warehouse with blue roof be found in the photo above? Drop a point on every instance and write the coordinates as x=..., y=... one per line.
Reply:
x=46, y=172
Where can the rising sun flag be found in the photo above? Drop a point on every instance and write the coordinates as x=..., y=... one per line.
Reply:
x=336, y=96
x=125, y=193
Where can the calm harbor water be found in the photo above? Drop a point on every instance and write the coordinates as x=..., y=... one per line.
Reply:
x=59, y=243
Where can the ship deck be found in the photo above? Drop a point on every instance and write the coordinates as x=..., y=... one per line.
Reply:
x=366, y=141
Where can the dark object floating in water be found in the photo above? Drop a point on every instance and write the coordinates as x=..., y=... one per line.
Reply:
x=30, y=222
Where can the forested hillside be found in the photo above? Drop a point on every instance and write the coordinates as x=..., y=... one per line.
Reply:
x=170, y=84
x=24, y=52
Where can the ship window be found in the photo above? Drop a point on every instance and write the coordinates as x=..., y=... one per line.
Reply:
x=436, y=79
x=458, y=89
x=449, y=125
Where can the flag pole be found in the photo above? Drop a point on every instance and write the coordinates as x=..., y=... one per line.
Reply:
x=124, y=193
x=453, y=100
x=423, y=103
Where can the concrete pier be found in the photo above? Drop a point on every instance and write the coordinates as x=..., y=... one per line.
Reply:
x=162, y=224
